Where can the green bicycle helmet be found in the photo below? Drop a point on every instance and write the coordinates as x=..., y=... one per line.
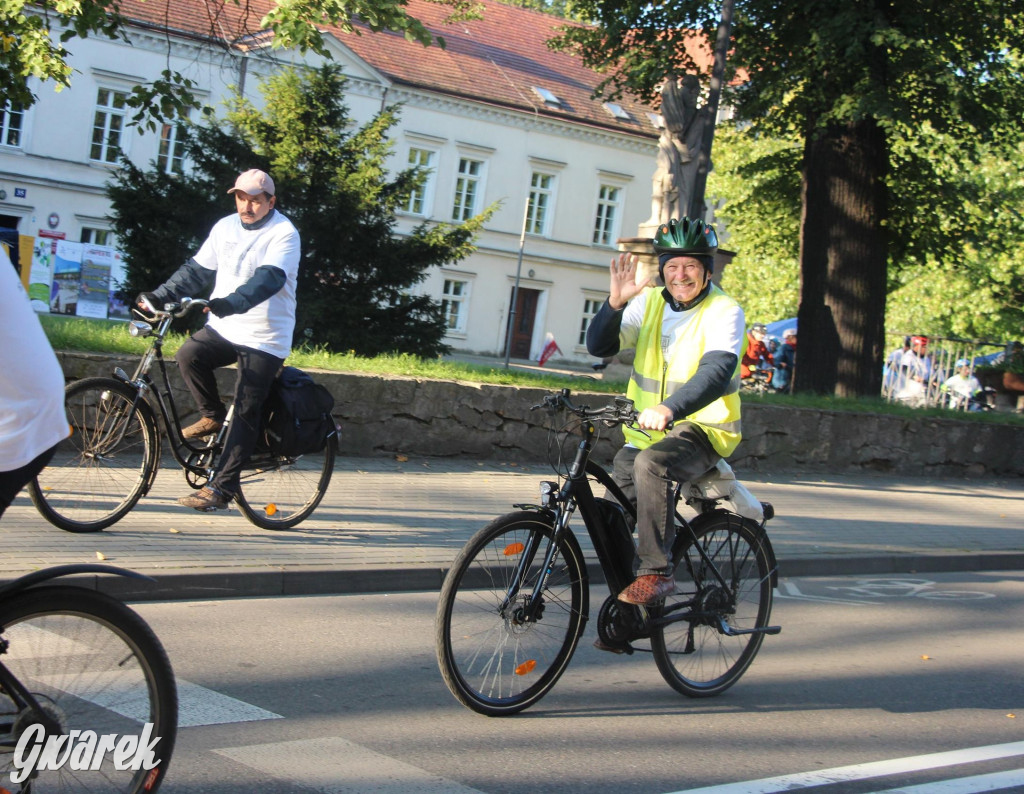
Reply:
x=686, y=237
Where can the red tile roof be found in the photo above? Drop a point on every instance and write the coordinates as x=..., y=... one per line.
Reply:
x=496, y=60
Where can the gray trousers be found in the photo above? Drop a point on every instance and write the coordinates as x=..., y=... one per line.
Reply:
x=648, y=478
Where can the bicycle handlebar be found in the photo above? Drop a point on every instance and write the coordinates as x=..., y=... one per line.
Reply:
x=176, y=310
x=619, y=412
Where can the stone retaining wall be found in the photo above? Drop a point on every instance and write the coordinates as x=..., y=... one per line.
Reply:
x=398, y=415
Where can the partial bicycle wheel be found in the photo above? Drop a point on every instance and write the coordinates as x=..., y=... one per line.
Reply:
x=697, y=656
x=93, y=665
x=106, y=465
x=494, y=660
x=279, y=492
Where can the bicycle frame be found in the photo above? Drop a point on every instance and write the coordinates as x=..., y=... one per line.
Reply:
x=615, y=550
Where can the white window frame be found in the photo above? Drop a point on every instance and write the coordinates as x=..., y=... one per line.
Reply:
x=456, y=289
x=541, y=203
x=93, y=235
x=424, y=194
x=607, y=214
x=468, y=190
x=592, y=302
x=7, y=114
x=175, y=153
x=108, y=120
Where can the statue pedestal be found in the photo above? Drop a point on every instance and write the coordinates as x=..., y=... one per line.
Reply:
x=647, y=268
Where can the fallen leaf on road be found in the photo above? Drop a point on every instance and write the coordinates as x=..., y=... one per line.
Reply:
x=926, y=657
x=100, y=555
x=401, y=458
x=175, y=531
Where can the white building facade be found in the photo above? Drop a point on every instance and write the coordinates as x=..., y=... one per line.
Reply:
x=494, y=116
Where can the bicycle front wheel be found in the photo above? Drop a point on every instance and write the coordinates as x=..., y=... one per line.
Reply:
x=696, y=655
x=92, y=665
x=493, y=657
x=279, y=492
x=103, y=468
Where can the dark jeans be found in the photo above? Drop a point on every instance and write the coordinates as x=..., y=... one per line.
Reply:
x=197, y=359
x=648, y=478
x=13, y=481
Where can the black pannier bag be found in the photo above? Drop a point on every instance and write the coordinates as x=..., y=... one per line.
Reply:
x=297, y=416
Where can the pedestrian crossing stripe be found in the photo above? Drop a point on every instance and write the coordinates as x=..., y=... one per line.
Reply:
x=839, y=774
x=333, y=765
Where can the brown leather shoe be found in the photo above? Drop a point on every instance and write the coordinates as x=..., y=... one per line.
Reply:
x=204, y=427
x=205, y=499
x=648, y=589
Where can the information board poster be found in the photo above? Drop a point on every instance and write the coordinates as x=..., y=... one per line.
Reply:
x=94, y=286
x=67, y=274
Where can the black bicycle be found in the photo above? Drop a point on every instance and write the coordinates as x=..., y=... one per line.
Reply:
x=76, y=663
x=110, y=460
x=516, y=599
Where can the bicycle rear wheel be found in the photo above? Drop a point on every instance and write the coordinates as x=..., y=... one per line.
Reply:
x=105, y=466
x=279, y=492
x=92, y=664
x=491, y=659
x=695, y=656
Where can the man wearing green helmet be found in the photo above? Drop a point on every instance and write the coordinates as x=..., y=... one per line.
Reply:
x=688, y=337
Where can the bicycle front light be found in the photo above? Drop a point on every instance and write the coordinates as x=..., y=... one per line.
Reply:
x=139, y=328
x=548, y=494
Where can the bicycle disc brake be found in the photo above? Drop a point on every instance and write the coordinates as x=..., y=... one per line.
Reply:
x=618, y=623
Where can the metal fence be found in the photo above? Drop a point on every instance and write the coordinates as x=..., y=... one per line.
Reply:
x=920, y=377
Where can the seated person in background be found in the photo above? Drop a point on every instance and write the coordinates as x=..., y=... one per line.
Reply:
x=756, y=355
x=962, y=388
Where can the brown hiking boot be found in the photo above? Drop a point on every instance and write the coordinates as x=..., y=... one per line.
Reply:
x=204, y=427
x=648, y=589
x=205, y=499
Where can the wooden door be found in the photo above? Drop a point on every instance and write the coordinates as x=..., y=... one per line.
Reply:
x=526, y=312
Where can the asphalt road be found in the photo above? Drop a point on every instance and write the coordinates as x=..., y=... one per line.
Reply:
x=876, y=684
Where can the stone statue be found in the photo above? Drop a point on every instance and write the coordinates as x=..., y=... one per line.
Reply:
x=678, y=149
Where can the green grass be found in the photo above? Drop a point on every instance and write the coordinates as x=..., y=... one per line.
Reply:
x=105, y=336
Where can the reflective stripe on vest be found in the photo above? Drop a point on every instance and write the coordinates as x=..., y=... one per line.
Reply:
x=653, y=379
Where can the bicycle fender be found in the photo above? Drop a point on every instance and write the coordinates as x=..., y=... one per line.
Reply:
x=34, y=578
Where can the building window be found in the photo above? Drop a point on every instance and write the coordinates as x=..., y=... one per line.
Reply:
x=10, y=125
x=107, y=126
x=466, y=189
x=454, y=304
x=607, y=215
x=418, y=200
x=590, y=308
x=538, y=211
x=97, y=236
x=171, y=158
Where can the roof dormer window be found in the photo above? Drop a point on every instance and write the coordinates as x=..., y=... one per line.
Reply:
x=617, y=111
x=548, y=97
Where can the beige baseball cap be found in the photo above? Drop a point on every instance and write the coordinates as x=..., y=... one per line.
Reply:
x=254, y=182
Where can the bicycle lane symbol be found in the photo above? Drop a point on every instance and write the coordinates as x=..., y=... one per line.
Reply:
x=872, y=591
x=906, y=588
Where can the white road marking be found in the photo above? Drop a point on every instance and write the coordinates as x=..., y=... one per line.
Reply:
x=996, y=781
x=332, y=765
x=198, y=705
x=792, y=593
x=841, y=774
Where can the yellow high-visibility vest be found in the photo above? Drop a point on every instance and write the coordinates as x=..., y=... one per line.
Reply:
x=654, y=378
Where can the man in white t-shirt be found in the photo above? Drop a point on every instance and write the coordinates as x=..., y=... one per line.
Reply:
x=32, y=417
x=688, y=339
x=252, y=259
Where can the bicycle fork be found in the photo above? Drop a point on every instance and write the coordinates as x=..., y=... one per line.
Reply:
x=533, y=608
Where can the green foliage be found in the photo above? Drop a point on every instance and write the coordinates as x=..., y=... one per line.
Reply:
x=357, y=276
x=755, y=187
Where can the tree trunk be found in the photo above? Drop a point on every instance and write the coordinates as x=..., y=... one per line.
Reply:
x=843, y=260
